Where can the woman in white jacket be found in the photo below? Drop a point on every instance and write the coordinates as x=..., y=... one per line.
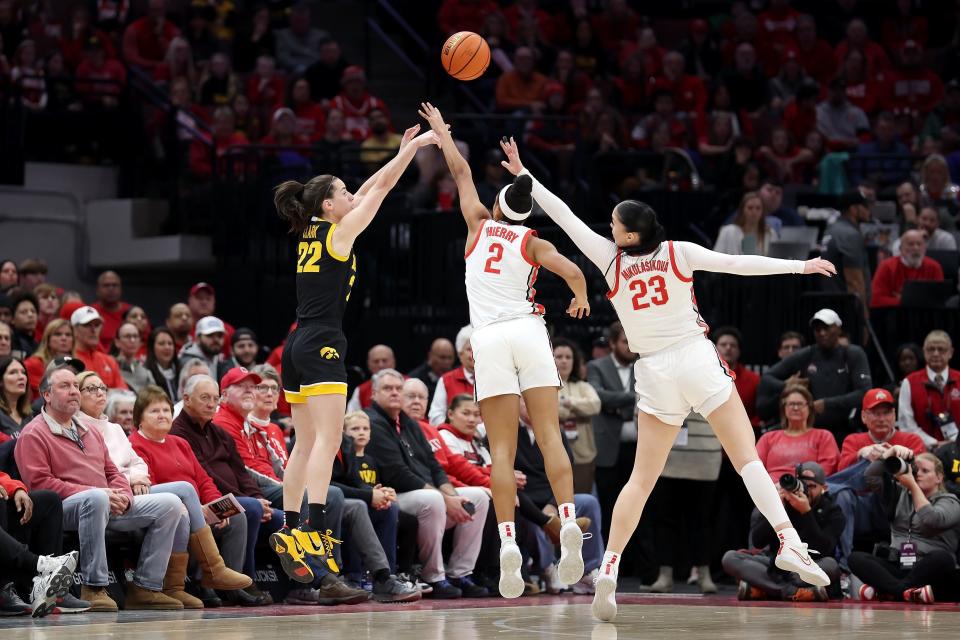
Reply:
x=749, y=233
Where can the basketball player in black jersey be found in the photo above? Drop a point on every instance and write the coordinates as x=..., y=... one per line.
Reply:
x=327, y=219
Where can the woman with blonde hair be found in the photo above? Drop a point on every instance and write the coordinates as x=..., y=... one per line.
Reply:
x=57, y=341
x=749, y=233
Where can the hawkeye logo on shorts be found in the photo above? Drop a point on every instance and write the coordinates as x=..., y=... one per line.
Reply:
x=329, y=353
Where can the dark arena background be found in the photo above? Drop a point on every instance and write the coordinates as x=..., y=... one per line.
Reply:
x=141, y=144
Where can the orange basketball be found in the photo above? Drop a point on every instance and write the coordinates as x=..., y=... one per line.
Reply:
x=465, y=55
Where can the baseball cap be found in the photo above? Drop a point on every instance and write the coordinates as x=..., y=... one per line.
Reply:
x=876, y=397
x=202, y=286
x=74, y=363
x=236, y=376
x=243, y=333
x=210, y=324
x=812, y=471
x=827, y=317
x=84, y=315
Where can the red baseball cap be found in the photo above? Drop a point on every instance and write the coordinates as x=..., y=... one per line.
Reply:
x=238, y=375
x=202, y=286
x=876, y=397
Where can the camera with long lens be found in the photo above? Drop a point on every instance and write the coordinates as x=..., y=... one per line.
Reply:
x=791, y=483
x=897, y=466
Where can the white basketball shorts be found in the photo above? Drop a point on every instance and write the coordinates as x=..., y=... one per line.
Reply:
x=691, y=375
x=512, y=356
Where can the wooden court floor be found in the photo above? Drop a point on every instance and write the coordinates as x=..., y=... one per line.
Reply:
x=646, y=617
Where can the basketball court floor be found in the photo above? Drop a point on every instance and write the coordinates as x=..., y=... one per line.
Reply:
x=641, y=616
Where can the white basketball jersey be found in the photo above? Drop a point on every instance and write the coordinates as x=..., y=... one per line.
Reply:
x=654, y=299
x=500, y=275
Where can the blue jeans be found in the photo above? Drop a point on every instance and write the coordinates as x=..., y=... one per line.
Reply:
x=191, y=516
x=862, y=509
x=253, y=512
x=586, y=504
x=88, y=513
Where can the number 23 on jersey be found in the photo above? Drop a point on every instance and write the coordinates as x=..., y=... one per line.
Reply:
x=308, y=255
x=656, y=284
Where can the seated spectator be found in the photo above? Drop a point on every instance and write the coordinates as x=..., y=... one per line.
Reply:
x=783, y=159
x=208, y=347
x=884, y=142
x=913, y=88
x=15, y=409
x=190, y=368
x=911, y=264
x=789, y=343
x=728, y=341
x=771, y=194
x=784, y=87
x=663, y=117
x=224, y=137
x=162, y=362
x=265, y=86
x=455, y=381
x=202, y=301
x=379, y=357
x=26, y=74
x=58, y=451
x=110, y=307
x=33, y=272
x=57, y=341
x=815, y=515
x=862, y=88
x=936, y=189
x=283, y=132
x=77, y=32
x=745, y=81
x=298, y=46
x=749, y=233
x=796, y=440
x=857, y=37
x=440, y=360
x=837, y=376
x=217, y=454
x=326, y=74
x=24, y=324
x=119, y=409
x=879, y=416
x=423, y=489
x=522, y=87
x=9, y=275
x=254, y=39
x=381, y=143
x=575, y=82
x=87, y=325
x=840, y=122
x=355, y=103
x=578, y=403
x=689, y=92
x=48, y=307
x=847, y=250
x=928, y=222
x=908, y=204
x=246, y=121
x=800, y=116
x=138, y=318
x=716, y=142
x=177, y=63
x=31, y=541
x=929, y=398
x=173, y=468
x=923, y=513
x=700, y=50
x=127, y=348
x=311, y=117
x=145, y=40
x=530, y=462
x=245, y=348
x=219, y=85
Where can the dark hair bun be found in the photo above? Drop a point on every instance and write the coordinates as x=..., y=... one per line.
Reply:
x=518, y=194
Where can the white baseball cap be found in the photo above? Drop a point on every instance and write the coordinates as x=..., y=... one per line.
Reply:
x=827, y=317
x=84, y=315
x=210, y=324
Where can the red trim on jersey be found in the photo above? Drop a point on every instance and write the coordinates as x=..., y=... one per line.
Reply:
x=616, y=278
x=476, y=239
x=696, y=309
x=673, y=264
x=537, y=309
x=726, y=368
x=523, y=247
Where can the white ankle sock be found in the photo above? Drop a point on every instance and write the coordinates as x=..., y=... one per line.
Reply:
x=508, y=531
x=610, y=564
x=764, y=494
x=567, y=513
x=789, y=534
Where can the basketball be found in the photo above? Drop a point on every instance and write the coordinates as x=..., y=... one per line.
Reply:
x=465, y=55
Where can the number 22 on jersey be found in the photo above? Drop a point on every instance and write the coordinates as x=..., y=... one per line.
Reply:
x=641, y=287
x=308, y=255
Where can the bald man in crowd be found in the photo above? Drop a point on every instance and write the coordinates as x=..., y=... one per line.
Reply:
x=379, y=357
x=440, y=359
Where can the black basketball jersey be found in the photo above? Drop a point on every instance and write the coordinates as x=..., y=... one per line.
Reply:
x=324, y=279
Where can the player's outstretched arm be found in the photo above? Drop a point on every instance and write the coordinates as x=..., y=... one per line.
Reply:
x=702, y=259
x=474, y=212
x=598, y=249
x=360, y=217
x=546, y=254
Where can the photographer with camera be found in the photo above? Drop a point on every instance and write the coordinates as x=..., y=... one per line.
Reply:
x=921, y=556
x=930, y=397
x=818, y=520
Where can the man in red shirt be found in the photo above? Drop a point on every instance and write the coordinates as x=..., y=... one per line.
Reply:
x=87, y=326
x=880, y=418
x=911, y=264
x=913, y=88
x=110, y=307
x=379, y=357
x=146, y=40
x=180, y=322
x=224, y=137
x=689, y=92
x=746, y=381
x=356, y=104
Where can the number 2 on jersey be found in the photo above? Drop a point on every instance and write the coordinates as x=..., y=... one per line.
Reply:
x=496, y=255
x=309, y=252
x=659, y=287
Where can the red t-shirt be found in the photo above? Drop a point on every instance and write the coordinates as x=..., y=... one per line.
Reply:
x=111, y=322
x=747, y=382
x=892, y=273
x=781, y=453
x=105, y=366
x=174, y=461
x=856, y=441
x=311, y=120
x=149, y=49
x=918, y=90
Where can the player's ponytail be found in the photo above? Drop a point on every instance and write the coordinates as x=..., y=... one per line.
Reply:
x=640, y=218
x=297, y=203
